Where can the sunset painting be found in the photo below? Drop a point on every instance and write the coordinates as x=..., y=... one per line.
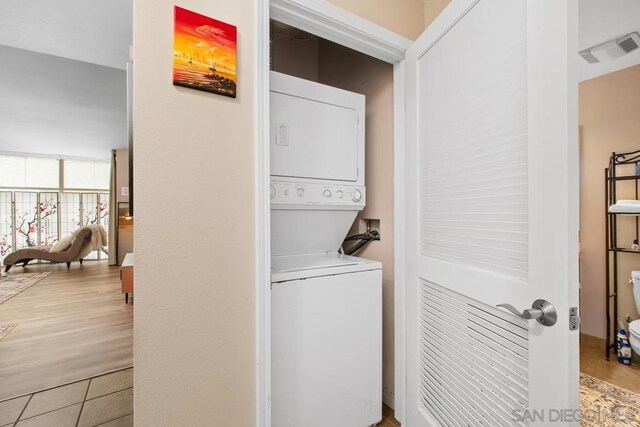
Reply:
x=204, y=53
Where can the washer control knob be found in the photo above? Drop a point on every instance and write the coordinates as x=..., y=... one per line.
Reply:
x=272, y=191
x=326, y=193
x=339, y=193
x=356, y=196
x=300, y=192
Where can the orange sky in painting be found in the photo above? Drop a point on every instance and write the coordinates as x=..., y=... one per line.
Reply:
x=204, y=39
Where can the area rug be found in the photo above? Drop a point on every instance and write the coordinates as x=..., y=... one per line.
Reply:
x=605, y=404
x=13, y=284
x=5, y=329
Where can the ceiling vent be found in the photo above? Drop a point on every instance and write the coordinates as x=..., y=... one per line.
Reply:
x=612, y=49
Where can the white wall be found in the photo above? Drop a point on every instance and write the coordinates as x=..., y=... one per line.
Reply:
x=57, y=106
x=194, y=349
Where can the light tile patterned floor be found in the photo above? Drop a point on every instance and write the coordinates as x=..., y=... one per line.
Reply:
x=105, y=400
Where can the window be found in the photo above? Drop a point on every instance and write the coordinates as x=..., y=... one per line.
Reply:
x=6, y=224
x=29, y=172
x=36, y=210
x=82, y=174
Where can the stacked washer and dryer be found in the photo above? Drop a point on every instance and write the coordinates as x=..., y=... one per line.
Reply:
x=326, y=307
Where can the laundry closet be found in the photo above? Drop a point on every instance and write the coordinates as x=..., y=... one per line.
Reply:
x=332, y=178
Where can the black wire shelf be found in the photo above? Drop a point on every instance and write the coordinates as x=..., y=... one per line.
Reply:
x=625, y=250
x=623, y=178
x=612, y=249
x=624, y=213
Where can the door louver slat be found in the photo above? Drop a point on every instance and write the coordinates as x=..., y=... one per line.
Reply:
x=479, y=375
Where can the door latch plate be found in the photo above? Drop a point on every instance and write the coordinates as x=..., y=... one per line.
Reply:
x=574, y=319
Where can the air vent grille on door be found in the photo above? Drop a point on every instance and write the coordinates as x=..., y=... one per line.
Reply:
x=474, y=360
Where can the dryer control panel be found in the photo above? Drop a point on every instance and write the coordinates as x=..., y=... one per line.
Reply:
x=321, y=196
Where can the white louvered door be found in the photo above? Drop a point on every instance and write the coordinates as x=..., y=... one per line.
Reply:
x=492, y=214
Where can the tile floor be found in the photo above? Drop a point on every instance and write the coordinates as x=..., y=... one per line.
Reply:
x=105, y=400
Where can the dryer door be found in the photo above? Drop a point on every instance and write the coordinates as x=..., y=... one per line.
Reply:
x=317, y=132
x=311, y=139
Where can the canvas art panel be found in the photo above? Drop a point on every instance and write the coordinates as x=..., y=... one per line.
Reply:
x=204, y=53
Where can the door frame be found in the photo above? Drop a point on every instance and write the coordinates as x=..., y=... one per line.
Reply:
x=333, y=23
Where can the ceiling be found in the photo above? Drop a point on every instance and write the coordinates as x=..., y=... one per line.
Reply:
x=603, y=20
x=94, y=31
x=60, y=107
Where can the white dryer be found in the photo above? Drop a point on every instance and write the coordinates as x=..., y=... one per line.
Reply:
x=317, y=132
x=326, y=308
x=317, y=164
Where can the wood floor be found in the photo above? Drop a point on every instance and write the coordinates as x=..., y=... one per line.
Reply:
x=71, y=325
x=388, y=418
x=592, y=362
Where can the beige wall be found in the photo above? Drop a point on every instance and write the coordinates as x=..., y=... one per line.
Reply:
x=405, y=17
x=432, y=9
x=124, y=227
x=610, y=121
x=343, y=68
x=194, y=313
x=294, y=52
x=194, y=274
x=122, y=174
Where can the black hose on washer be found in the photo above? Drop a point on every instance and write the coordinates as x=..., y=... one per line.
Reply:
x=362, y=241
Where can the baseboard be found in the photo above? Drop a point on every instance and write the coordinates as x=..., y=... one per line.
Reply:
x=388, y=398
x=586, y=338
x=591, y=336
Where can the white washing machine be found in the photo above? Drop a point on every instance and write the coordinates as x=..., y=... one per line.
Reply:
x=326, y=308
x=326, y=338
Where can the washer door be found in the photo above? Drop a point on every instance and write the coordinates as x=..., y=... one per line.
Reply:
x=326, y=351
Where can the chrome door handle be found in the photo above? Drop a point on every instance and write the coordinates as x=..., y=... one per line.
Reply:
x=543, y=311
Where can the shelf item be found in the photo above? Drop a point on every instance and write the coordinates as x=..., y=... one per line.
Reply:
x=626, y=207
x=618, y=171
